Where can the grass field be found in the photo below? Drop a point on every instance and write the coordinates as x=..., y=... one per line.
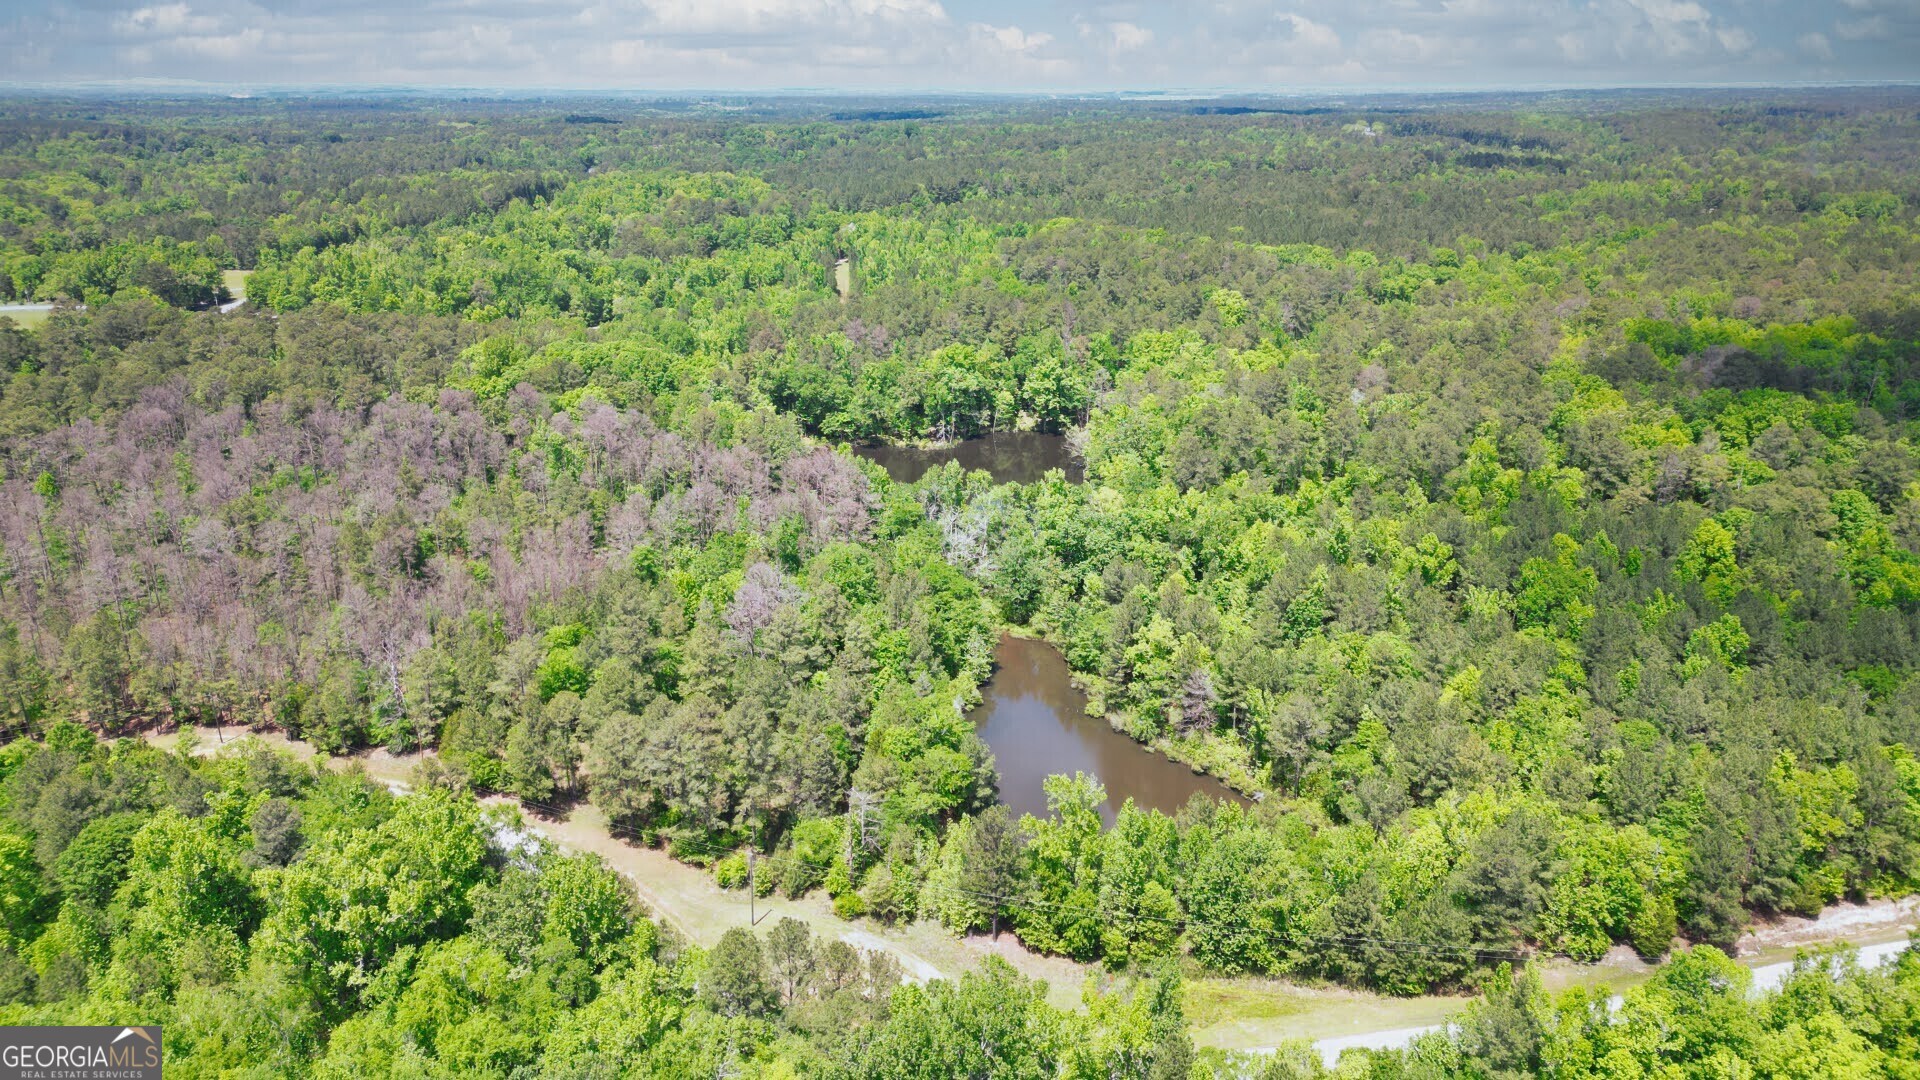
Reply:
x=25, y=316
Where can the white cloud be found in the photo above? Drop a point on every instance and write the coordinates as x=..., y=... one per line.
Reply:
x=1867, y=29
x=958, y=43
x=241, y=43
x=768, y=16
x=1114, y=37
x=156, y=33
x=1118, y=51
x=1678, y=29
x=163, y=20
x=1464, y=42
x=1672, y=11
x=1309, y=36
x=1012, y=38
x=1404, y=49
x=1128, y=37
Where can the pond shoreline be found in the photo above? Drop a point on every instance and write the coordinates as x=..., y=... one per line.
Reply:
x=1010, y=457
x=1094, y=689
x=1034, y=717
x=1259, y=1012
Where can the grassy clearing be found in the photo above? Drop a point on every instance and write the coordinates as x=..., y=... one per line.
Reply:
x=236, y=282
x=1228, y=1001
x=28, y=320
x=1241, y=1014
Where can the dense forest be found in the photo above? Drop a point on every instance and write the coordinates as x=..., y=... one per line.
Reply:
x=1516, y=497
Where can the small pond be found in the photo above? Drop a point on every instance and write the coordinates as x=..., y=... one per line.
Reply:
x=1035, y=721
x=1012, y=457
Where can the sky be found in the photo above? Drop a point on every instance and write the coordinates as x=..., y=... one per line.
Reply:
x=931, y=45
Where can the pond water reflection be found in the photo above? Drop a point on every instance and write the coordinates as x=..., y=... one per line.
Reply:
x=1035, y=721
x=1012, y=457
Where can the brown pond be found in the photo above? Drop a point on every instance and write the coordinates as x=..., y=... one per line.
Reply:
x=1035, y=721
x=1011, y=457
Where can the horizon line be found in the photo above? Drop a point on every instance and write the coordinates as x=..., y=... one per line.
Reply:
x=157, y=86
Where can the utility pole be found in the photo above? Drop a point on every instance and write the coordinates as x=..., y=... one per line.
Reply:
x=753, y=894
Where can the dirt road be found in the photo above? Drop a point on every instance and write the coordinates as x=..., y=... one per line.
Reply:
x=1246, y=1014
x=686, y=897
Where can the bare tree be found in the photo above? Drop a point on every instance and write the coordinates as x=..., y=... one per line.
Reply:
x=758, y=601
